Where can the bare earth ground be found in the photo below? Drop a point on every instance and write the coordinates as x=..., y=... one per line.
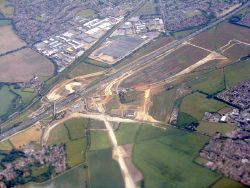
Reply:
x=69, y=86
x=135, y=173
x=9, y=41
x=64, y=89
x=23, y=65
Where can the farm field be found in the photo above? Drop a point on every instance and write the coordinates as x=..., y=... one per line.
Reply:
x=126, y=133
x=237, y=51
x=58, y=135
x=162, y=106
x=181, y=34
x=76, y=127
x=131, y=133
x=86, y=13
x=167, y=66
x=185, y=120
x=237, y=73
x=26, y=95
x=76, y=152
x=95, y=124
x=220, y=35
x=217, y=79
x=197, y=104
x=23, y=139
x=99, y=140
x=211, y=128
x=82, y=69
x=166, y=157
x=228, y=183
x=37, y=171
x=23, y=65
x=149, y=7
x=9, y=40
x=148, y=132
x=6, y=99
x=72, y=178
x=99, y=162
x=13, y=99
x=210, y=83
x=6, y=145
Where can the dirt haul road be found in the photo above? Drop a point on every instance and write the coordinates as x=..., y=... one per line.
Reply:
x=118, y=154
x=210, y=57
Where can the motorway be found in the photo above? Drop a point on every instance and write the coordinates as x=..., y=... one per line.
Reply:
x=146, y=60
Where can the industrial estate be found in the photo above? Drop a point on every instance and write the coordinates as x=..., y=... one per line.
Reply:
x=124, y=93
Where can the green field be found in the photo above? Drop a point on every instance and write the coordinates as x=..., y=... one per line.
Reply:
x=210, y=83
x=12, y=100
x=99, y=140
x=197, y=104
x=27, y=95
x=216, y=80
x=82, y=69
x=104, y=172
x=95, y=124
x=6, y=145
x=228, y=183
x=58, y=135
x=181, y=34
x=149, y=7
x=148, y=132
x=112, y=104
x=127, y=132
x=37, y=171
x=163, y=105
x=73, y=178
x=5, y=9
x=6, y=99
x=237, y=73
x=211, y=128
x=166, y=159
x=76, y=152
x=185, y=120
x=76, y=127
x=86, y=13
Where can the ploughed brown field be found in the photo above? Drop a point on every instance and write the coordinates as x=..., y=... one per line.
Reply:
x=237, y=51
x=9, y=41
x=220, y=35
x=23, y=65
x=168, y=66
